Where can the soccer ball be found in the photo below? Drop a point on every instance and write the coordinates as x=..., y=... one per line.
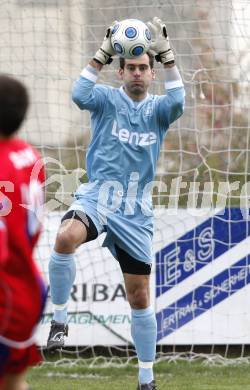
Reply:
x=130, y=38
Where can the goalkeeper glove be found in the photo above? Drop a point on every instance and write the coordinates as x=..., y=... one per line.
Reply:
x=106, y=51
x=160, y=43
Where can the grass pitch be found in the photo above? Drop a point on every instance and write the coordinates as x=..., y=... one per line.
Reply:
x=172, y=376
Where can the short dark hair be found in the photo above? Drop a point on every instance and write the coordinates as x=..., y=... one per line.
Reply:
x=14, y=102
x=151, y=60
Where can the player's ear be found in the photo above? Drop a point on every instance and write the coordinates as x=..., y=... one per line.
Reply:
x=120, y=72
x=153, y=73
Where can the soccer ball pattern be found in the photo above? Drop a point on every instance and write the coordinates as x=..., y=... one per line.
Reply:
x=130, y=38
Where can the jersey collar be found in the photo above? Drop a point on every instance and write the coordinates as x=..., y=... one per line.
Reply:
x=131, y=101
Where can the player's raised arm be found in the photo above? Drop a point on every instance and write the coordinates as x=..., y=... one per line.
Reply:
x=171, y=106
x=84, y=94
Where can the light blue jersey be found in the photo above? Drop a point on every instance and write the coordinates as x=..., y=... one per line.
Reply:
x=122, y=158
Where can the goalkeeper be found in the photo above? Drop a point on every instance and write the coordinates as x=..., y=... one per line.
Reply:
x=128, y=127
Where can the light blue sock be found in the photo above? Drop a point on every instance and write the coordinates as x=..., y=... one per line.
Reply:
x=62, y=272
x=144, y=333
x=60, y=315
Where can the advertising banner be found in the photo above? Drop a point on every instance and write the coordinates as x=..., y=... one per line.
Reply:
x=199, y=285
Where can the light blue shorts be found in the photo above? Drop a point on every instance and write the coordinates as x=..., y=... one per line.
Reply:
x=132, y=232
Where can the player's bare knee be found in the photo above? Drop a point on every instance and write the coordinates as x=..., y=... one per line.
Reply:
x=65, y=242
x=68, y=237
x=138, y=298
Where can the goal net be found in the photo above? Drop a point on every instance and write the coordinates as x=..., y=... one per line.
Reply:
x=200, y=279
